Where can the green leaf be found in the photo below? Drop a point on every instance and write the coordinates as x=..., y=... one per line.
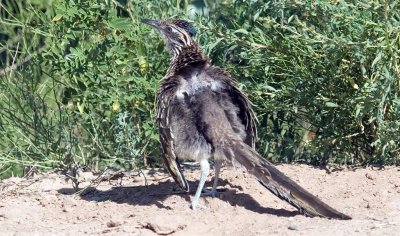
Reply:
x=212, y=46
x=120, y=23
x=57, y=18
x=291, y=18
x=331, y=104
x=269, y=88
x=358, y=109
x=242, y=31
x=377, y=59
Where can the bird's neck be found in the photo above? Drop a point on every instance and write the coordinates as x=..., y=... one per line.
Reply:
x=186, y=57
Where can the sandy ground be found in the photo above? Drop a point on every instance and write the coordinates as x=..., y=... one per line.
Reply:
x=46, y=205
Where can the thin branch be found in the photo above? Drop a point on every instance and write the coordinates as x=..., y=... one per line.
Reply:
x=9, y=43
x=13, y=62
x=22, y=63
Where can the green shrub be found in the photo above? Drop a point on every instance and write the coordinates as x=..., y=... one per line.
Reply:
x=79, y=79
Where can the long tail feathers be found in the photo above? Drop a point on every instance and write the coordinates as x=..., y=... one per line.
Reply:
x=279, y=184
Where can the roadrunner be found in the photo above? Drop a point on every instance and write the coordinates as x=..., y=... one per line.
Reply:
x=202, y=115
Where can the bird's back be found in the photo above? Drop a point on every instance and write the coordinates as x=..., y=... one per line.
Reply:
x=203, y=108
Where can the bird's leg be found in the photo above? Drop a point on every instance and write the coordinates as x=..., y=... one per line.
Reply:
x=213, y=192
x=217, y=167
x=205, y=169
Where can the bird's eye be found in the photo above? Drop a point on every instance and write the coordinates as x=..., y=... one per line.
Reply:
x=172, y=30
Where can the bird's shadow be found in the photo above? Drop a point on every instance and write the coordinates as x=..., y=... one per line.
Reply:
x=156, y=193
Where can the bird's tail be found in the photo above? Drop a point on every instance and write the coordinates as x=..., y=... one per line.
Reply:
x=279, y=184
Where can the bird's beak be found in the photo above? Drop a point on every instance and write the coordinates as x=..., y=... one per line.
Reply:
x=152, y=23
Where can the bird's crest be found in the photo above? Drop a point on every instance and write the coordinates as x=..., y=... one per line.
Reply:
x=186, y=26
x=178, y=34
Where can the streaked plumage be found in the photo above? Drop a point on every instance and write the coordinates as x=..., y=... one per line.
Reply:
x=202, y=115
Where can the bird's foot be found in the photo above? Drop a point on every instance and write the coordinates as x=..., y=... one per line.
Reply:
x=196, y=206
x=212, y=192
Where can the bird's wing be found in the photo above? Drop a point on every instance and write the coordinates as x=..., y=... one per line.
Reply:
x=246, y=113
x=166, y=136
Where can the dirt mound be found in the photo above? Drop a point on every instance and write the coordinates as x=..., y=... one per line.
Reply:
x=136, y=205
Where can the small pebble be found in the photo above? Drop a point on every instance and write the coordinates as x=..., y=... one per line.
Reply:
x=111, y=224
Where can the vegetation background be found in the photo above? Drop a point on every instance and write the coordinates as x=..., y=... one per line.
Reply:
x=78, y=78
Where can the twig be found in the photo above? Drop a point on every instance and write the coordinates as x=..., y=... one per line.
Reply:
x=145, y=179
x=24, y=62
x=8, y=44
x=15, y=56
x=108, y=175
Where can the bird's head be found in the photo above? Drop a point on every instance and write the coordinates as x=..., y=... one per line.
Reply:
x=177, y=34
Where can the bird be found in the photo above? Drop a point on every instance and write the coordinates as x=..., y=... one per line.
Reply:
x=202, y=116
